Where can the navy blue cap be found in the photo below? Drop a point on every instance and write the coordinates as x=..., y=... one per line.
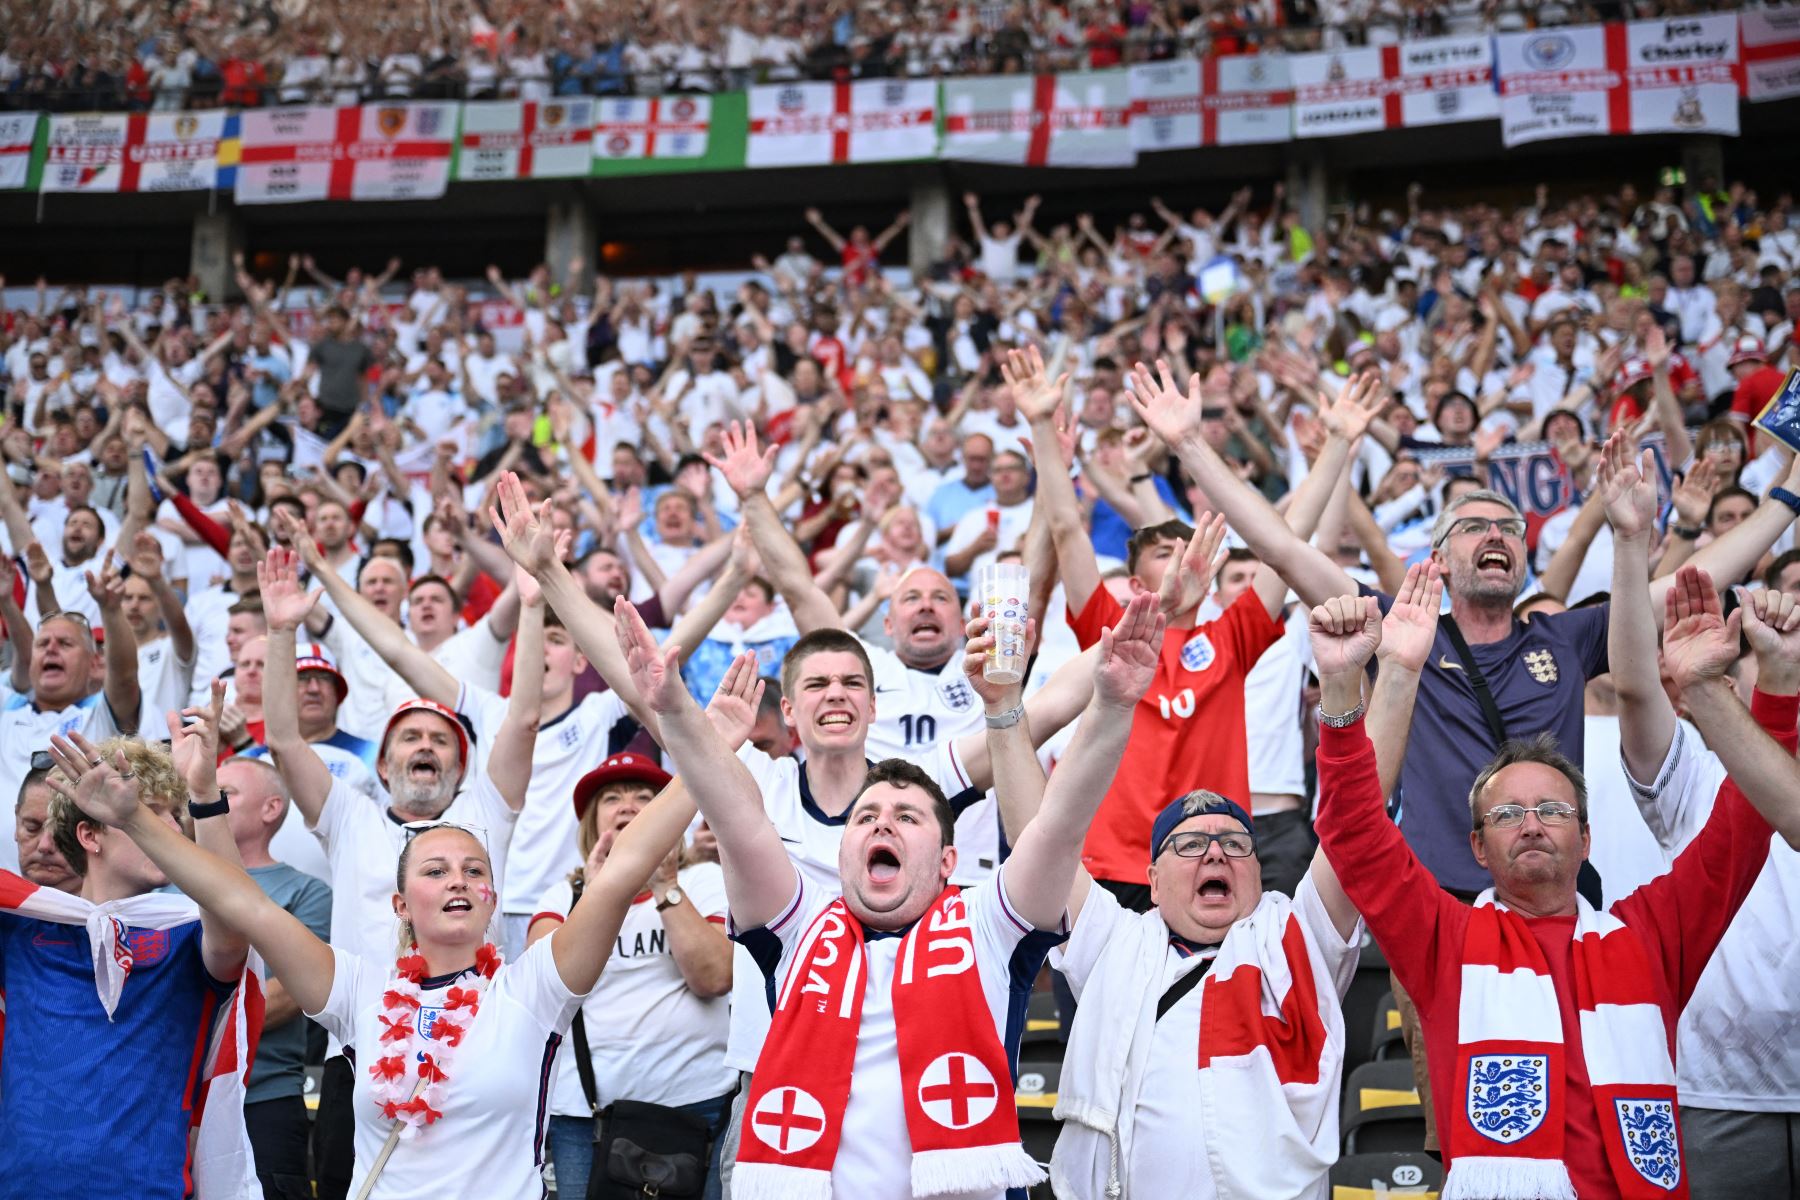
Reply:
x=1172, y=815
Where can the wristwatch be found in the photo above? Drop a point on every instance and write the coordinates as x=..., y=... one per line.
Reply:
x=669, y=899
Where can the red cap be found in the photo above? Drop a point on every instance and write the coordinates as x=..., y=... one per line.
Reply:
x=1748, y=348
x=314, y=657
x=1635, y=370
x=420, y=704
x=620, y=768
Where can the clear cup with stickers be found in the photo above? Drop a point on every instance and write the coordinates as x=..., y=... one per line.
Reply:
x=1001, y=589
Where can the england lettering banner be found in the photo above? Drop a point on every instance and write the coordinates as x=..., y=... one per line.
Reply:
x=18, y=131
x=1081, y=119
x=525, y=139
x=815, y=124
x=136, y=152
x=1770, y=50
x=1674, y=76
x=375, y=152
x=659, y=127
x=1238, y=100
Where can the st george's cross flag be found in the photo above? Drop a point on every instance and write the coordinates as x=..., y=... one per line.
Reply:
x=134, y=152
x=817, y=124
x=525, y=139
x=1075, y=119
x=1770, y=51
x=652, y=127
x=371, y=152
x=1238, y=100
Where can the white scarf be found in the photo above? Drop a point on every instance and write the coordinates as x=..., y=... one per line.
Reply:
x=1247, y=1100
x=223, y=1164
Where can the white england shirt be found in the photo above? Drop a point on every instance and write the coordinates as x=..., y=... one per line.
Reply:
x=812, y=840
x=1167, y=1154
x=544, y=846
x=165, y=680
x=24, y=728
x=874, y=1159
x=652, y=1039
x=916, y=712
x=1734, y=1047
x=488, y=1142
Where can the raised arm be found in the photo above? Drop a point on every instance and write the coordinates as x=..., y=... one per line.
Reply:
x=123, y=695
x=509, y=760
x=1733, y=554
x=147, y=561
x=1699, y=645
x=18, y=630
x=747, y=470
x=832, y=237
x=422, y=672
x=1039, y=397
x=759, y=878
x=1646, y=717
x=1407, y=635
x=285, y=606
x=1044, y=876
x=1174, y=416
x=972, y=205
x=105, y=791
x=194, y=749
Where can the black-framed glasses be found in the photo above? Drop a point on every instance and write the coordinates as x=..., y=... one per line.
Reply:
x=1512, y=527
x=1195, y=843
x=1511, y=816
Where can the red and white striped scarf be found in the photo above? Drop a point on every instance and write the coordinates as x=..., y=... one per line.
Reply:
x=1507, y=1128
x=956, y=1082
x=224, y=1168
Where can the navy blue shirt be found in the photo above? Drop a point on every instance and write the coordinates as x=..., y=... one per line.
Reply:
x=91, y=1107
x=1538, y=674
x=1110, y=532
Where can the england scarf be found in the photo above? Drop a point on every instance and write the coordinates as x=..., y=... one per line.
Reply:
x=1270, y=1057
x=224, y=1167
x=956, y=1082
x=1508, y=1122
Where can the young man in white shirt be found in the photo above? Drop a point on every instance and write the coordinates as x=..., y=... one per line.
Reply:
x=906, y=1118
x=165, y=655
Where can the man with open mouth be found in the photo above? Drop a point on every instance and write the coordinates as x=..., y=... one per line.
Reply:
x=888, y=1067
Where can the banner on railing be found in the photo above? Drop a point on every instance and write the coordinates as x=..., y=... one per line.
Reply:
x=818, y=124
x=18, y=139
x=525, y=139
x=374, y=152
x=1240, y=100
x=136, y=152
x=1672, y=76
x=1770, y=49
x=1079, y=119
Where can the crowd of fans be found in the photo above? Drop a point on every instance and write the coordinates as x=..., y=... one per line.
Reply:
x=372, y=556
x=77, y=55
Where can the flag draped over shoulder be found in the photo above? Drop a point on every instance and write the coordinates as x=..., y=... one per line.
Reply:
x=224, y=1167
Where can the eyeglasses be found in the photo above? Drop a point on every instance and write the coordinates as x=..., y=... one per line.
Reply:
x=1195, y=844
x=1511, y=816
x=1512, y=527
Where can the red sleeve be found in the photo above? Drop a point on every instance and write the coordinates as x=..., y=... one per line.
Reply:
x=483, y=591
x=1248, y=629
x=358, y=507
x=1406, y=910
x=210, y=531
x=1101, y=611
x=1686, y=911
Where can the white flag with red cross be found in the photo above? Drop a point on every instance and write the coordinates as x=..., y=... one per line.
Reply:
x=373, y=152
x=1769, y=47
x=817, y=124
x=133, y=152
x=525, y=139
x=652, y=127
x=1238, y=100
x=1076, y=119
x=1672, y=76
x=1437, y=81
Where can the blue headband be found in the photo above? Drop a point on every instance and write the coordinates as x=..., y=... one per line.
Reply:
x=1173, y=815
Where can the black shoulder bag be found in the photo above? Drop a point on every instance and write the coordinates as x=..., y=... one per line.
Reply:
x=640, y=1150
